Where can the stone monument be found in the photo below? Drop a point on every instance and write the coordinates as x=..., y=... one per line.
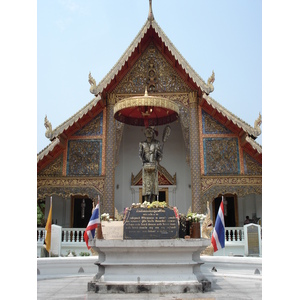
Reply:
x=151, y=258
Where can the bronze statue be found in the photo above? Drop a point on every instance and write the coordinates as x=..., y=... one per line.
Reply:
x=150, y=152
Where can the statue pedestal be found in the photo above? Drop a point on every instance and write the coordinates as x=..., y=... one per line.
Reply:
x=149, y=266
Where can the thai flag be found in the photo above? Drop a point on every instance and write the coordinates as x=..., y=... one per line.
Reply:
x=218, y=236
x=92, y=225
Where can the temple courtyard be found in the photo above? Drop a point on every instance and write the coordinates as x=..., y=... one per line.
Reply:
x=230, y=277
x=224, y=286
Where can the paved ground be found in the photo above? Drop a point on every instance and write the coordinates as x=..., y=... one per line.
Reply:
x=223, y=287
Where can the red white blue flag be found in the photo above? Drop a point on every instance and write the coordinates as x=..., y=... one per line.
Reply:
x=92, y=225
x=218, y=236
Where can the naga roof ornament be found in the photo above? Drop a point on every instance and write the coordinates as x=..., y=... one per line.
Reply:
x=257, y=124
x=92, y=82
x=211, y=80
x=48, y=126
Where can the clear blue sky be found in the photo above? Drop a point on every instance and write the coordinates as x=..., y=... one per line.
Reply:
x=78, y=37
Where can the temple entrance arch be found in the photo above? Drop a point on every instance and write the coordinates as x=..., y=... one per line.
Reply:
x=231, y=217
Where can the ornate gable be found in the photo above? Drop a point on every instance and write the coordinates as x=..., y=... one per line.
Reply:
x=94, y=127
x=212, y=126
x=54, y=168
x=155, y=72
x=251, y=166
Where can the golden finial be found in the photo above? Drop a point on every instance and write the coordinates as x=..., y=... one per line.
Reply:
x=150, y=15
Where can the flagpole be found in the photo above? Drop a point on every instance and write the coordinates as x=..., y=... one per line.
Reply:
x=99, y=209
x=99, y=228
x=48, y=228
x=224, y=224
x=50, y=224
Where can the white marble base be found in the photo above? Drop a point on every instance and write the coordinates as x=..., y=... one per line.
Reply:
x=149, y=265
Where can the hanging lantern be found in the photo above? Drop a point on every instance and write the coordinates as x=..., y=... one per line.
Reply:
x=82, y=208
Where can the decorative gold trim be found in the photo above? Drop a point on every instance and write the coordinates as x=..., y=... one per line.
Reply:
x=96, y=182
x=193, y=98
x=146, y=101
x=153, y=110
x=209, y=181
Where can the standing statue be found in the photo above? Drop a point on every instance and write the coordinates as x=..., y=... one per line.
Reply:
x=150, y=152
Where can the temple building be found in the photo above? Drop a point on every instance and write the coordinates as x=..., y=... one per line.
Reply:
x=210, y=152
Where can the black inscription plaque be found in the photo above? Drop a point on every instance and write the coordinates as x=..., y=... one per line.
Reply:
x=155, y=223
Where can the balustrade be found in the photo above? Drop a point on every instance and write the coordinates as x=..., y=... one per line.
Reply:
x=70, y=235
x=75, y=235
x=234, y=234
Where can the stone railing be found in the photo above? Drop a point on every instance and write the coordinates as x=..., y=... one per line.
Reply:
x=72, y=239
x=68, y=235
x=234, y=234
x=75, y=235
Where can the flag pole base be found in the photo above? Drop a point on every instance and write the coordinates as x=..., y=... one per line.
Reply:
x=99, y=232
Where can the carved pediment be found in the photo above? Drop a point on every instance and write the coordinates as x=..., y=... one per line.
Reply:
x=155, y=72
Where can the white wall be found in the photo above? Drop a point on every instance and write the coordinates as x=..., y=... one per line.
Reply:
x=173, y=160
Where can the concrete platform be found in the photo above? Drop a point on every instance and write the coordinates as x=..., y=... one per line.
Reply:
x=223, y=287
x=152, y=266
x=231, y=278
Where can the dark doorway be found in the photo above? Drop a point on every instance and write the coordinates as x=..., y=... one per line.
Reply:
x=162, y=196
x=229, y=210
x=82, y=212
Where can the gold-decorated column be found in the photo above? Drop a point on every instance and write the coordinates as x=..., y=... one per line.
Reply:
x=195, y=154
x=109, y=183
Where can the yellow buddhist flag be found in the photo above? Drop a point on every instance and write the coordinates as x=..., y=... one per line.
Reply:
x=48, y=228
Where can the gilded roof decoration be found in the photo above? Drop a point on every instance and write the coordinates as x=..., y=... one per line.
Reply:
x=124, y=58
x=211, y=125
x=92, y=128
x=251, y=166
x=68, y=186
x=151, y=70
x=54, y=168
x=255, y=132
